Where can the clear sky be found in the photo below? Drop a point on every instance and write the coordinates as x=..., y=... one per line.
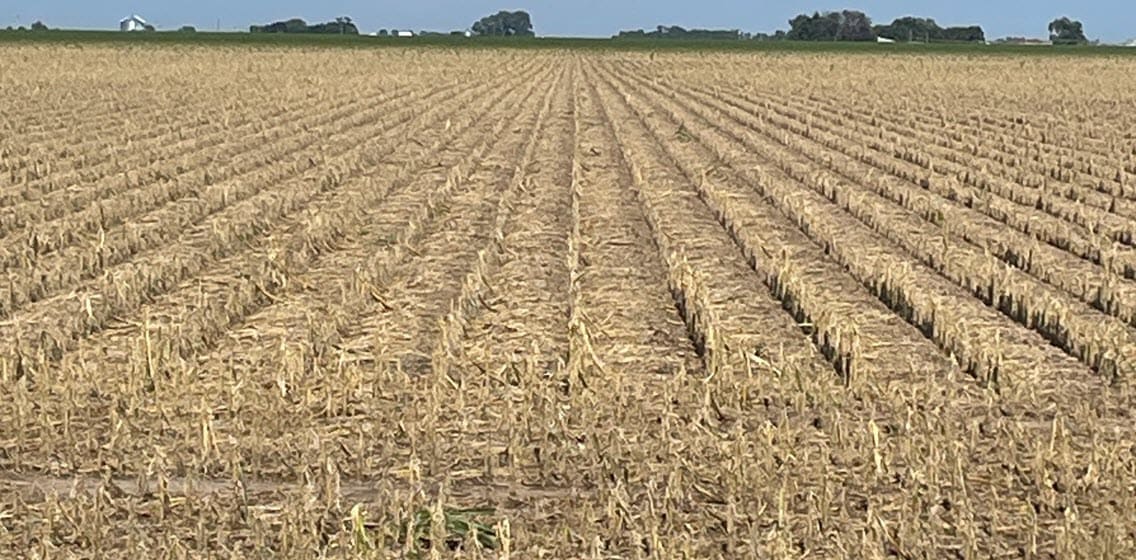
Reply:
x=1110, y=21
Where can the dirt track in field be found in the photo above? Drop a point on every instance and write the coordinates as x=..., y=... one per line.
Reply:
x=639, y=305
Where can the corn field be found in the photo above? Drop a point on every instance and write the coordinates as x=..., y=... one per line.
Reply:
x=430, y=303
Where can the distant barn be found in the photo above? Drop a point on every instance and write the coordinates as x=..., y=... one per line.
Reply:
x=132, y=23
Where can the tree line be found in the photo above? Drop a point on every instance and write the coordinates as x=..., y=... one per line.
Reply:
x=37, y=26
x=501, y=24
x=845, y=25
x=913, y=29
x=854, y=25
x=677, y=32
x=341, y=26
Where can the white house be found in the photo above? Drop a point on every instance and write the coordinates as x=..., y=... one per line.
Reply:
x=405, y=34
x=132, y=23
x=884, y=40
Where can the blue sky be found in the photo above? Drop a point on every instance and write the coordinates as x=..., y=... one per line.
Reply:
x=1107, y=20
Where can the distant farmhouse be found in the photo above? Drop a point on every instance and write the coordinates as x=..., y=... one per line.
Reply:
x=132, y=23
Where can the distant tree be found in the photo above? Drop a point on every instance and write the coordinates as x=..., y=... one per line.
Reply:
x=505, y=24
x=149, y=28
x=1065, y=31
x=383, y=33
x=909, y=28
x=855, y=26
x=341, y=25
x=344, y=22
x=39, y=26
x=801, y=27
x=680, y=33
x=970, y=34
x=187, y=29
x=918, y=29
x=294, y=25
x=819, y=26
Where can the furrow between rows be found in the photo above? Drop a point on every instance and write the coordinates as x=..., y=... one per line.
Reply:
x=621, y=280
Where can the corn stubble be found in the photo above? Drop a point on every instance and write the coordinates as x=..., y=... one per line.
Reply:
x=441, y=304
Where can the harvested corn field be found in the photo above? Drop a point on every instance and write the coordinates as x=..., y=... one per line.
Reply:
x=388, y=303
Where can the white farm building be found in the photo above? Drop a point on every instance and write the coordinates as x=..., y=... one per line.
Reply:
x=132, y=23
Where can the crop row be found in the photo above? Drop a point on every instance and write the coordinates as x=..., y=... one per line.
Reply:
x=78, y=156
x=1028, y=219
x=68, y=142
x=224, y=235
x=70, y=216
x=167, y=345
x=1009, y=148
x=754, y=197
x=1099, y=340
x=1104, y=284
x=195, y=159
x=411, y=240
x=1101, y=157
x=990, y=345
x=46, y=275
x=999, y=194
x=621, y=304
x=1053, y=193
x=736, y=326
